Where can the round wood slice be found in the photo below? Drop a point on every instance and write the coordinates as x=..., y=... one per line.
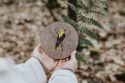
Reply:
x=49, y=37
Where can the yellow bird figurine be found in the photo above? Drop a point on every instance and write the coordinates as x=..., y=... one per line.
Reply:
x=60, y=38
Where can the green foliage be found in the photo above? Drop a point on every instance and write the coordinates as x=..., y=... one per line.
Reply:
x=122, y=13
x=93, y=6
x=89, y=33
x=89, y=21
x=52, y=4
x=87, y=42
x=94, y=54
x=81, y=45
x=70, y=21
x=80, y=58
x=79, y=48
x=121, y=76
x=84, y=11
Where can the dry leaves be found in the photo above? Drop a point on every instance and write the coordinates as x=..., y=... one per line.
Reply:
x=21, y=21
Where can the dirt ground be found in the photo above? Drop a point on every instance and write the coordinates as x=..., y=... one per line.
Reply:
x=22, y=20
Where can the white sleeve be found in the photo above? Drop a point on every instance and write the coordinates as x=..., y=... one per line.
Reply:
x=63, y=76
x=32, y=71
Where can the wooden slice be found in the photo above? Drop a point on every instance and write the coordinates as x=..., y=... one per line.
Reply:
x=49, y=38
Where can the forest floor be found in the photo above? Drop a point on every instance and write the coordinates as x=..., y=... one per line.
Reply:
x=22, y=20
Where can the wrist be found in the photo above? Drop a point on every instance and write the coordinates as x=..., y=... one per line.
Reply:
x=43, y=66
x=67, y=69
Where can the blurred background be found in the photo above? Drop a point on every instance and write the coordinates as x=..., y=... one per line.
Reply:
x=21, y=21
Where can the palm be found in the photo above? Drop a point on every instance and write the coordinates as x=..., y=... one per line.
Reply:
x=49, y=62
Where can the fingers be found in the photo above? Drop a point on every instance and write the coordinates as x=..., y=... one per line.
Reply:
x=67, y=59
x=36, y=51
x=61, y=63
x=43, y=54
x=40, y=50
x=37, y=47
x=55, y=61
x=73, y=57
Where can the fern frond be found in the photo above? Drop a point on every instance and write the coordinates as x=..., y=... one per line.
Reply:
x=87, y=42
x=70, y=21
x=89, y=21
x=89, y=33
x=98, y=3
x=79, y=28
x=82, y=5
x=73, y=7
x=79, y=48
x=96, y=12
x=84, y=18
x=80, y=58
x=94, y=6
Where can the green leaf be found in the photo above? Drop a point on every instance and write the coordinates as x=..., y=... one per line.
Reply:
x=95, y=11
x=79, y=48
x=81, y=42
x=80, y=45
x=80, y=58
x=122, y=13
x=94, y=54
x=73, y=7
x=121, y=76
x=70, y=21
x=88, y=43
x=94, y=6
x=82, y=5
x=53, y=4
x=89, y=33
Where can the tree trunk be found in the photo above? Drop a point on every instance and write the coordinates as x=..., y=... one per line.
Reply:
x=71, y=13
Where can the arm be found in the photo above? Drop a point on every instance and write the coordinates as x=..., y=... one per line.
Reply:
x=35, y=68
x=64, y=72
x=63, y=76
x=32, y=71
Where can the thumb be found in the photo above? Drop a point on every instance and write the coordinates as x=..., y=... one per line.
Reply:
x=73, y=57
x=37, y=48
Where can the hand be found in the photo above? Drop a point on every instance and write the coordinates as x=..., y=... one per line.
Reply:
x=72, y=64
x=61, y=63
x=48, y=62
